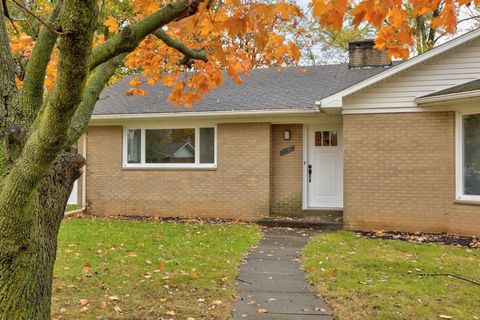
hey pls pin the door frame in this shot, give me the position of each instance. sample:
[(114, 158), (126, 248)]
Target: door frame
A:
[(305, 168)]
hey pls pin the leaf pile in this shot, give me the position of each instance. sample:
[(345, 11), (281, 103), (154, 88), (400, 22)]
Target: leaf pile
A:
[(418, 237)]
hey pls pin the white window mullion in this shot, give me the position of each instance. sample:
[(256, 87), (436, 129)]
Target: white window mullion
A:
[(197, 145), (142, 147), (215, 145), (125, 147)]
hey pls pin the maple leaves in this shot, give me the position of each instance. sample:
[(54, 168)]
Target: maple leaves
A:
[(112, 24), (391, 18), (235, 36)]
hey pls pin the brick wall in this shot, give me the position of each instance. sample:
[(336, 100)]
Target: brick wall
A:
[(238, 188), (286, 171), (400, 174)]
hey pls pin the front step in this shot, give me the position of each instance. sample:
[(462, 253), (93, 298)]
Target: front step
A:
[(299, 224)]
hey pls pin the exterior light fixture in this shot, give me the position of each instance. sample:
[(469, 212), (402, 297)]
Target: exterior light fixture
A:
[(287, 135)]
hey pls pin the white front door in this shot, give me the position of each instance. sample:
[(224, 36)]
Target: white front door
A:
[(324, 172)]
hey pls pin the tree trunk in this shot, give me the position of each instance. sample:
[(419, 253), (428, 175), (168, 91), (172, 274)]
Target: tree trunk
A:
[(26, 267)]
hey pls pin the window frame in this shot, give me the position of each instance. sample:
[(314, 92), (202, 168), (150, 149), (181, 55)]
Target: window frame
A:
[(459, 159), (144, 165)]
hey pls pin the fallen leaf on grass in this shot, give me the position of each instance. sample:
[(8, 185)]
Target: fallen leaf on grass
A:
[(170, 313), (86, 267), (117, 308), (262, 310), (83, 302), (113, 298), (103, 304), (132, 254), (217, 302), (442, 316)]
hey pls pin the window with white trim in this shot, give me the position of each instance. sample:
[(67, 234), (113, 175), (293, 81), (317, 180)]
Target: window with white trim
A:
[(170, 147), (468, 156)]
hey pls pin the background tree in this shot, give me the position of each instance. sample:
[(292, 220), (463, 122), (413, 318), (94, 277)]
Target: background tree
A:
[(402, 26), (330, 45)]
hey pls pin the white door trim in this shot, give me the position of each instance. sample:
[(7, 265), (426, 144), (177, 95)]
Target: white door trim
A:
[(305, 172)]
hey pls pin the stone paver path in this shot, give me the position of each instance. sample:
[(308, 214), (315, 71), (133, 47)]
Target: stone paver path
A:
[(271, 284)]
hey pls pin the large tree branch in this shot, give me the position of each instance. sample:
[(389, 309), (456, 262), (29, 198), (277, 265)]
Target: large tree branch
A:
[(7, 69), (180, 47), (78, 18), (129, 38), (33, 82), (97, 81)]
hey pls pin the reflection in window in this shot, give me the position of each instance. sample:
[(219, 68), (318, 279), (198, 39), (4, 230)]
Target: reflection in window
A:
[(333, 138), (207, 145), (185, 147), (133, 145), (318, 138), (326, 138), (471, 154), (170, 146)]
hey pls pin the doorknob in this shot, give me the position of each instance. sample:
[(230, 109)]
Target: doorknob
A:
[(309, 173)]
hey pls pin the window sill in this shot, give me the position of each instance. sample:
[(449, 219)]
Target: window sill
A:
[(467, 202), (170, 168)]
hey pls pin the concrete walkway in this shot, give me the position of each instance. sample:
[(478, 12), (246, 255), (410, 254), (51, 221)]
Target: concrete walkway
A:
[(271, 284)]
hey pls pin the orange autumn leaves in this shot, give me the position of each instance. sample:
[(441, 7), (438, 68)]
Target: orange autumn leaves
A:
[(236, 37), (390, 18)]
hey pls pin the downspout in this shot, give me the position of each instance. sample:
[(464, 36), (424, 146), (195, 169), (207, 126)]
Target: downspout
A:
[(84, 182)]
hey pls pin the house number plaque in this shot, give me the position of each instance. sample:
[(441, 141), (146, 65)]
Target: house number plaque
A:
[(287, 150)]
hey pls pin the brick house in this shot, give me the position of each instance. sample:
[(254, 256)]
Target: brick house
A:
[(392, 146)]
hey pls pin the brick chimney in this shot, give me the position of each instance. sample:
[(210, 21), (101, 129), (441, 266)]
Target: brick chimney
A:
[(362, 54)]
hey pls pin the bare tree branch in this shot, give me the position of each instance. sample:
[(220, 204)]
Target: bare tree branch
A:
[(180, 47), (24, 8)]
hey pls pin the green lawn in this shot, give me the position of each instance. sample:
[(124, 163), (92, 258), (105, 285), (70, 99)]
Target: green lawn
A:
[(378, 279), (71, 207), (113, 269)]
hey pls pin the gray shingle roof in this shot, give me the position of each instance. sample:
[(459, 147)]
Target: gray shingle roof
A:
[(265, 89), (464, 87)]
